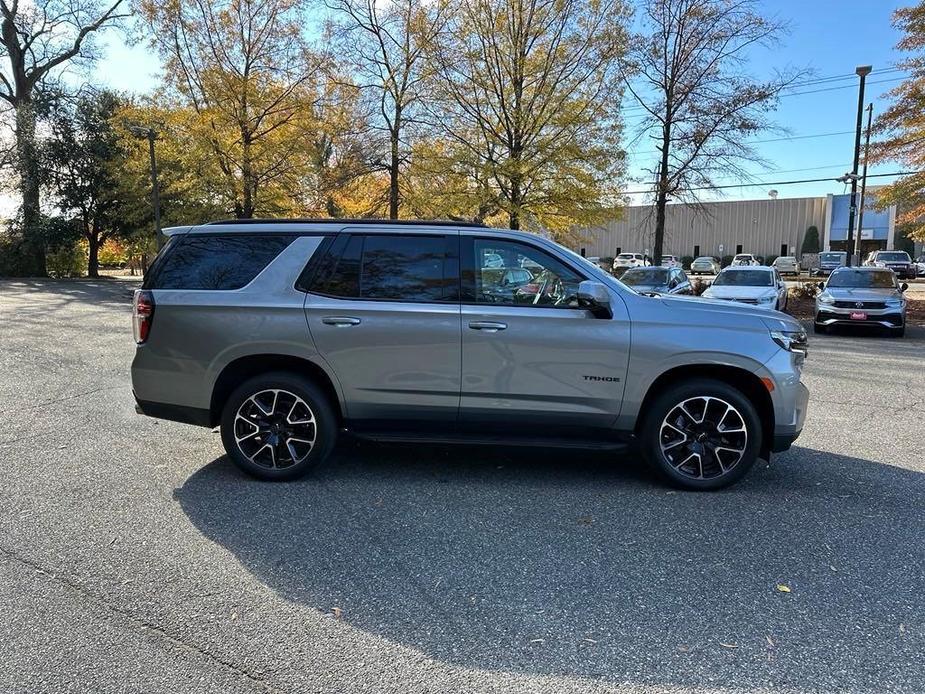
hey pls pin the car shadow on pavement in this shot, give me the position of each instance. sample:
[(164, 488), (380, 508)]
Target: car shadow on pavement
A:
[(807, 575)]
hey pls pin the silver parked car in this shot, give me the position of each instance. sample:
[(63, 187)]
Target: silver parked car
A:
[(758, 285), (861, 296), (786, 265), (706, 265), (658, 280), (288, 334)]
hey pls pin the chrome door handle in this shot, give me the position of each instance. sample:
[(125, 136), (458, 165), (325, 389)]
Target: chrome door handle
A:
[(488, 326), (340, 321)]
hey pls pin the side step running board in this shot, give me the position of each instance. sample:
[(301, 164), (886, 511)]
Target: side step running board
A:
[(483, 440)]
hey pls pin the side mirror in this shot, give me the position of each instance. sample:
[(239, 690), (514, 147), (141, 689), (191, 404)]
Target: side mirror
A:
[(903, 287), (594, 297), (821, 285)]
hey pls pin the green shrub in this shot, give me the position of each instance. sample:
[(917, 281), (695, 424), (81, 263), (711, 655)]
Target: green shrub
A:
[(811, 241), (67, 260), (686, 261), (727, 260), (770, 260)]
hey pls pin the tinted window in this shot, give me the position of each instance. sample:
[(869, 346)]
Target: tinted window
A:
[(863, 278), (744, 278), (549, 282), (403, 268), (379, 266), (217, 262)]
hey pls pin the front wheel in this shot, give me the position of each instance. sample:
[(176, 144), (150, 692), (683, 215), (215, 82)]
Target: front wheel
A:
[(278, 426), (701, 434)]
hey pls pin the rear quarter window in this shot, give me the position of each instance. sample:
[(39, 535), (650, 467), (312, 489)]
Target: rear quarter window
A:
[(199, 261)]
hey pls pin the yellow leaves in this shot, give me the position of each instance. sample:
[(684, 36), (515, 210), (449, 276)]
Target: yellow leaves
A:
[(783, 588)]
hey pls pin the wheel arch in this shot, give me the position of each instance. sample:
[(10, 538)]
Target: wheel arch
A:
[(243, 368), (741, 379)]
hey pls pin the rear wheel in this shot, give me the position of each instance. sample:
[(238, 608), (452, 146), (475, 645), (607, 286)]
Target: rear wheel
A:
[(278, 426), (701, 434)]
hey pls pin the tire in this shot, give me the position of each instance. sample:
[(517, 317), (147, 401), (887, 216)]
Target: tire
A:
[(708, 399), (820, 329), (281, 403), (898, 332)]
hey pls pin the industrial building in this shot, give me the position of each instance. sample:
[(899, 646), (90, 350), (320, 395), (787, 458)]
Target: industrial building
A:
[(768, 228)]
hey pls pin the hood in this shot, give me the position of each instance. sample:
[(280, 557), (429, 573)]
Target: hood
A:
[(733, 292), (701, 311), (861, 294)]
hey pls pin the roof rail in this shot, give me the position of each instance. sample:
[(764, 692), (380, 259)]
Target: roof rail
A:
[(354, 221)]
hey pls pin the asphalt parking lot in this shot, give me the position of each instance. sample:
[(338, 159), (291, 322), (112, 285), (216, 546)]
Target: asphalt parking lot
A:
[(134, 558)]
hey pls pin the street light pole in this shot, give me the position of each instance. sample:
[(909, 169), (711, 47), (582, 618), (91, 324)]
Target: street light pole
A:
[(870, 115), (861, 71)]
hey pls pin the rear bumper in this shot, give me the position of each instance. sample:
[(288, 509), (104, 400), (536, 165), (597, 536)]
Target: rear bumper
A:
[(175, 413)]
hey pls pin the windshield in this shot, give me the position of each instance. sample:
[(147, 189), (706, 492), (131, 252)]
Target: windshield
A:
[(744, 278), (643, 276), (786, 259), (625, 256), (831, 256), (743, 257), (704, 259), (901, 257), (863, 278)]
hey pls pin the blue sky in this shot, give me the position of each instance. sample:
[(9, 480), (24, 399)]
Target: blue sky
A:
[(830, 37)]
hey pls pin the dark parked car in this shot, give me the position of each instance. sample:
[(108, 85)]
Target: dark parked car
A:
[(659, 280)]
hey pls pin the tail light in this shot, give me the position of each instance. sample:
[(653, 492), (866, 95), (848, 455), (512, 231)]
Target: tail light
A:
[(142, 314)]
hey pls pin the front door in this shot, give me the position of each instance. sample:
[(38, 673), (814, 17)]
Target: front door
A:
[(531, 359), (383, 310)]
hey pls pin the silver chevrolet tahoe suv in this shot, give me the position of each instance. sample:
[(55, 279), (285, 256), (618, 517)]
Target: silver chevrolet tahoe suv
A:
[(286, 333)]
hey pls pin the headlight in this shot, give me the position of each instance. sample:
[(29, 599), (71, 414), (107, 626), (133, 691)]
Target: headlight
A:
[(767, 299), (894, 303), (825, 299), (791, 341)]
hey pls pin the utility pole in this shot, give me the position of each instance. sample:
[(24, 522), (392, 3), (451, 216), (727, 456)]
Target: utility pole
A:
[(861, 71), (870, 115), (156, 191), (150, 134)]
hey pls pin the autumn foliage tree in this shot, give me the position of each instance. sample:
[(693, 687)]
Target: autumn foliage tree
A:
[(384, 45), (901, 128), (247, 75), (525, 93)]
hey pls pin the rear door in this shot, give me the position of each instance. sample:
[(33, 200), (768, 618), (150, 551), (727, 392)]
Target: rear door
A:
[(383, 310), (531, 359)]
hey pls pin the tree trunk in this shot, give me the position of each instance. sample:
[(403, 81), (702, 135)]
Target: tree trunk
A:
[(393, 166), (516, 194), (33, 237), (661, 197), (93, 256), (246, 209)]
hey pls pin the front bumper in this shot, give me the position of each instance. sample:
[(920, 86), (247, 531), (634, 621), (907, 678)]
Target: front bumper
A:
[(786, 432), (886, 318)]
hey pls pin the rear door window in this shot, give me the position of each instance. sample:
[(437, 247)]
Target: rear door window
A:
[(218, 262), (388, 267)]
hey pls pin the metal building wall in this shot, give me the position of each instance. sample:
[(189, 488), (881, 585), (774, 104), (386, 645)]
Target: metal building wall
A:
[(760, 226)]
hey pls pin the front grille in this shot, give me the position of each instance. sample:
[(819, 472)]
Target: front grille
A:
[(860, 304), (746, 301)]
